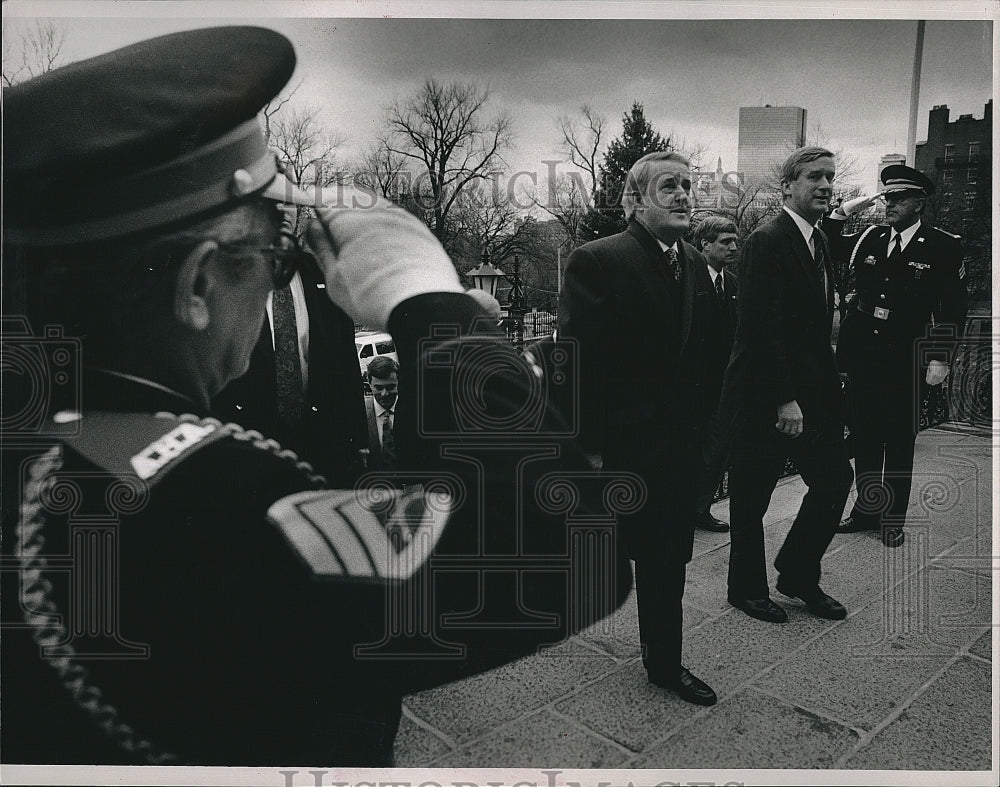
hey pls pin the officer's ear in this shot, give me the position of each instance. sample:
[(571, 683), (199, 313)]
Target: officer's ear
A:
[(195, 282)]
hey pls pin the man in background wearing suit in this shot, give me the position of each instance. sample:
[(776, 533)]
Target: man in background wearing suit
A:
[(383, 377), (908, 276), (304, 387), (715, 237), (636, 303), (782, 396)]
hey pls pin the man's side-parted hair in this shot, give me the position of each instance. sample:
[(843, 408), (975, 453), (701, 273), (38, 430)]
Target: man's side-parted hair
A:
[(640, 174), (711, 227), (793, 165), (381, 367)]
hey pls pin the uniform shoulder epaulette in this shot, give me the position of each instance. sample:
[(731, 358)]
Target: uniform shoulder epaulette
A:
[(138, 444)]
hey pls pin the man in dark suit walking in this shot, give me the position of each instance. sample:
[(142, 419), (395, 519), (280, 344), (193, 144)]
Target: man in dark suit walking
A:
[(782, 396), (908, 276), (715, 237), (383, 378), (637, 305)]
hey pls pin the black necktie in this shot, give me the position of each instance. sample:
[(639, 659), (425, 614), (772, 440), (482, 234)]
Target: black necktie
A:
[(388, 441), (287, 365), (674, 263), (897, 249), (718, 288)]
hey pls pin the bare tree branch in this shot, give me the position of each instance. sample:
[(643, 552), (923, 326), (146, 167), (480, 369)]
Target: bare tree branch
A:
[(33, 52)]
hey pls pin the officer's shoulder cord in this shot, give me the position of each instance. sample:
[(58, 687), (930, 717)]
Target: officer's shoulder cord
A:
[(857, 245), (43, 615)]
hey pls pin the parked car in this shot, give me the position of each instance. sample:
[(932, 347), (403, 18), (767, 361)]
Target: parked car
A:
[(373, 343)]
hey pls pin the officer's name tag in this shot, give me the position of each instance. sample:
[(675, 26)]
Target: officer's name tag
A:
[(366, 534), (919, 268)]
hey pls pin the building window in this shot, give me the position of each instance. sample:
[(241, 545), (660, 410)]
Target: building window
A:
[(973, 151), (972, 176), (949, 152), (947, 176), (970, 200)]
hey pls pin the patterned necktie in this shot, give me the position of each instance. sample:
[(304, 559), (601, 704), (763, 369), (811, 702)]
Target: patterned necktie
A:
[(897, 249), (819, 257), (388, 441), (674, 263), (718, 288), (287, 365)]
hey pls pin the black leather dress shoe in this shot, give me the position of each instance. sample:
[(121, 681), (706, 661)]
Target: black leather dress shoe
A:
[(856, 525), (686, 686), (761, 608), (708, 522), (893, 537), (816, 600)]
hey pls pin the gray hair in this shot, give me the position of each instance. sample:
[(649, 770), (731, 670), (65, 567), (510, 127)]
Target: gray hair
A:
[(639, 176)]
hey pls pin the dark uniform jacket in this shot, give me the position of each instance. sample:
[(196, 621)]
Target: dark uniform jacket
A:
[(782, 349), (895, 304), (641, 344), (230, 636), (332, 430)]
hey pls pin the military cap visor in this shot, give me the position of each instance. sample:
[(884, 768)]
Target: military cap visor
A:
[(145, 136), (898, 177)]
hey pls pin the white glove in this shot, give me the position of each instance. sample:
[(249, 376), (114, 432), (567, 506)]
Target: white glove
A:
[(374, 258), (856, 205), (936, 372)]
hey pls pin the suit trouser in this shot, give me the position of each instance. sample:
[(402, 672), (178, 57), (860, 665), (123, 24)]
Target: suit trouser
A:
[(757, 459), (659, 588), (708, 483), (884, 427)]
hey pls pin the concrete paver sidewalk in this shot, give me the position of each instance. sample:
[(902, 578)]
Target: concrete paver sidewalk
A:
[(904, 683)]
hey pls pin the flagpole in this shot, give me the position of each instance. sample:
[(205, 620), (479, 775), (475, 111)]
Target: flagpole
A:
[(911, 139)]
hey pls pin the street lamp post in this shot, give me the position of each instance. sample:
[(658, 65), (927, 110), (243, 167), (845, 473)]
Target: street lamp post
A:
[(485, 277), (515, 305)]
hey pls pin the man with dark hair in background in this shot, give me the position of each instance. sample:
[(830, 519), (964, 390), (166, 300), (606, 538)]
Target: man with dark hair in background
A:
[(782, 397), (628, 298), (715, 237), (383, 378)]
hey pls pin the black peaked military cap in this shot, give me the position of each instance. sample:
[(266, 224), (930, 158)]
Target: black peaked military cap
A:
[(153, 133), (899, 177)]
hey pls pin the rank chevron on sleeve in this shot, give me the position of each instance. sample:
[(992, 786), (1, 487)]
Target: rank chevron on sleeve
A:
[(352, 534)]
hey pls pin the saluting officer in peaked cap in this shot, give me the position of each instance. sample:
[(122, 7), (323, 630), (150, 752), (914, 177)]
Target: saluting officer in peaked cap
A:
[(235, 610), (908, 278)]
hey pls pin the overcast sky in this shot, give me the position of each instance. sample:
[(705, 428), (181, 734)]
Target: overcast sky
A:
[(851, 75)]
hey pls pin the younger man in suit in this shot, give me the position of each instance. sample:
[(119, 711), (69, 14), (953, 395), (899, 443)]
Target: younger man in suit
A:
[(383, 377), (782, 396), (715, 237)]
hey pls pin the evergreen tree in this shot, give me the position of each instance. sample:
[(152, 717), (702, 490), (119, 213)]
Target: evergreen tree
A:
[(637, 139)]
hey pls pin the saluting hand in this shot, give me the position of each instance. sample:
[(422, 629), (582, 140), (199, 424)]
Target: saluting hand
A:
[(789, 419)]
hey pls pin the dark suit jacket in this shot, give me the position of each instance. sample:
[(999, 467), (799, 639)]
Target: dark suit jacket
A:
[(375, 461), (641, 391), (332, 430), (782, 348), (719, 338)]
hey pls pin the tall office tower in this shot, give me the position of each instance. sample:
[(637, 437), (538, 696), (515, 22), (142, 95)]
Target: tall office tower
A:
[(767, 135)]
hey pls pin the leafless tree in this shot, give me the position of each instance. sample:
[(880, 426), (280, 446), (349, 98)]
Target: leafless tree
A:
[(383, 171), (31, 52), (443, 130), (582, 142)]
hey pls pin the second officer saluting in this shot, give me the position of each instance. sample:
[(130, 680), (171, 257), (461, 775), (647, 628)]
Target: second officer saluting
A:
[(908, 277)]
